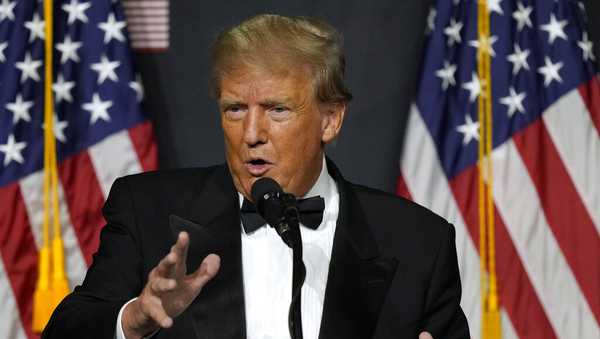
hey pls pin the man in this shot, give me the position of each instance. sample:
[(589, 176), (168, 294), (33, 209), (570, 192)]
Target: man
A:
[(378, 266)]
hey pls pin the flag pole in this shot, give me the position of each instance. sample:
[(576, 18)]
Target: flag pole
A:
[(491, 322), (52, 283)]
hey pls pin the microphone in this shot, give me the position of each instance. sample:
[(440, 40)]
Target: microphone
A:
[(279, 209)]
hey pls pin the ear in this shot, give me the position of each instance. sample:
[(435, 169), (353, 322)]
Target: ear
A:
[(332, 117)]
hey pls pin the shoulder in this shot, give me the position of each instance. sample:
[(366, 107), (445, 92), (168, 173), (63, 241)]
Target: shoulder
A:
[(169, 180), (173, 175), (375, 201), (164, 188), (395, 220)]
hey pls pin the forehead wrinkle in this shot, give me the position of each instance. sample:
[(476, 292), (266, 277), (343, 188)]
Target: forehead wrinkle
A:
[(245, 88), (252, 85)]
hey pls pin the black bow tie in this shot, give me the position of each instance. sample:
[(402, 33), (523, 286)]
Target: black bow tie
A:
[(311, 214)]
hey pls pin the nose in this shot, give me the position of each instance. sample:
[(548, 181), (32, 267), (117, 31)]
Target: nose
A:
[(255, 127)]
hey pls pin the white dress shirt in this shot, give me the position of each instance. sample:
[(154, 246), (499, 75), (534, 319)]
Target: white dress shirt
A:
[(267, 269), (267, 272)]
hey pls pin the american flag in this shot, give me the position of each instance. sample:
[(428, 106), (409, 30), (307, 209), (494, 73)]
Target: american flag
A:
[(100, 129), (546, 159), (148, 24)]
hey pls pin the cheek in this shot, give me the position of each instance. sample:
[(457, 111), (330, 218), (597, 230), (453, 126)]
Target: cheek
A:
[(292, 140), (232, 154), (231, 133), (297, 146)]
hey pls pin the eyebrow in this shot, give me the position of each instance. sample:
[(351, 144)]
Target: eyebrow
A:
[(274, 102), (226, 102), (264, 103)]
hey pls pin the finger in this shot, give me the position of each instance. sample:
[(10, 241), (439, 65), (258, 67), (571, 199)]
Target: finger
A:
[(207, 270), (166, 265), (180, 248), (425, 335), (176, 254), (161, 284), (181, 245), (158, 314)]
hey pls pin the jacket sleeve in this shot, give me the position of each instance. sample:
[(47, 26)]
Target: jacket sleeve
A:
[(444, 317), (114, 277)]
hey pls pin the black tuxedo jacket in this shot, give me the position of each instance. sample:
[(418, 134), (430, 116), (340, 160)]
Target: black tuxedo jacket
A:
[(393, 269)]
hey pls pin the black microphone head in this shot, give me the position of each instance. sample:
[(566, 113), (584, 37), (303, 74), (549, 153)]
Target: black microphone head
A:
[(263, 187), (265, 194)]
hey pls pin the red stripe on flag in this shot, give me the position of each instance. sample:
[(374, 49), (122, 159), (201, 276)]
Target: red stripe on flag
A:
[(150, 46), (516, 293), (84, 198), (149, 29), (19, 252), (142, 137), (567, 216), (150, 41), (590, 92), (149, 50), (402, 188), (135, 17)]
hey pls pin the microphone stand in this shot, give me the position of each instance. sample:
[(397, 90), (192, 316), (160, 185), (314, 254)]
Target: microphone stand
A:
[(289, 231)]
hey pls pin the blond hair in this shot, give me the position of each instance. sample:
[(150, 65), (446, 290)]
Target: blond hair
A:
[(278, 44)]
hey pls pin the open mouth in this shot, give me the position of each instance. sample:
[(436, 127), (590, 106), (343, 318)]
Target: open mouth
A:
[(258, 166), (257, 162)]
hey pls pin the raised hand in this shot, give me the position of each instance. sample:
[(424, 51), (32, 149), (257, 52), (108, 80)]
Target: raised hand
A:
[(168, 292)]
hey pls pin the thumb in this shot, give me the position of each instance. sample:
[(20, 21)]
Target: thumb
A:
[(425, 335), (207, 270)]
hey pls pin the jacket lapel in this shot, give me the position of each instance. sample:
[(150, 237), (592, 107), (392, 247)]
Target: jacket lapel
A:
[(213, 223), (359, 277)]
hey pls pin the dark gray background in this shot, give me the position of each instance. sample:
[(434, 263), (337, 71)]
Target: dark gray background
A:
[(383, 44)]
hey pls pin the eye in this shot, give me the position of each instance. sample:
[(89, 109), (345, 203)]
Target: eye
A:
[(279, 112), (234, 112)]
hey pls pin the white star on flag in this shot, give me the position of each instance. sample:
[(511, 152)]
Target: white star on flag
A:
[(470, 130), (447, 74), (494, 6), (29, 68), (7, 9), (514, 102), (550, 71), (98, 109), (587, 47), (35, 27), (555, 29), (68, 50), (453, 32), (474, 87), (59, 129), (62, 89), (485, 43), (20, 109), (522, 16), (2, 48), (76, 11), (519, 59), (106, 69), (112, 29), (12, 150), (137, 87)]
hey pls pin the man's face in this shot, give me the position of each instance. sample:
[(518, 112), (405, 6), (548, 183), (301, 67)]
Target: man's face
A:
[(275, 127)]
